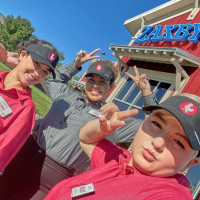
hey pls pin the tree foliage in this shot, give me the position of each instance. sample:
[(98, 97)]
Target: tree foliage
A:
[(61, 58), (16, 30), (13, 31)]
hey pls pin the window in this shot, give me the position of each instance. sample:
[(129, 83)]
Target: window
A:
[(128, 96)]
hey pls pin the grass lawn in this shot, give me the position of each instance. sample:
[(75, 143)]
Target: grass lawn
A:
[(41, 100)]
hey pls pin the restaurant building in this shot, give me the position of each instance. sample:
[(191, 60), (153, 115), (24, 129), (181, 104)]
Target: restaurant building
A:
[(165, 46)]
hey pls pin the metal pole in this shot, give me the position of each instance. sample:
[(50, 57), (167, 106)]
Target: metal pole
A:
[(196, 190)]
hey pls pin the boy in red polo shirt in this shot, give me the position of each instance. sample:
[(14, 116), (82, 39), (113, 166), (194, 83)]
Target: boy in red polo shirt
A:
[(167, 143)]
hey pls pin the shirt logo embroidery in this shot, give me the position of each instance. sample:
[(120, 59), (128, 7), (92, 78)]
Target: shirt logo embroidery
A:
[(188, 108), (99, 67), (52, 57)]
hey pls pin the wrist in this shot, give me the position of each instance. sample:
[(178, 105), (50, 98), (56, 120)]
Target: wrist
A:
[(76, 65), (146, 92)]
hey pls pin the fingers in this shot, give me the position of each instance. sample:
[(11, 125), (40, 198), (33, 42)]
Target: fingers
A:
[(109, 127), (143, 78), (109, 107), (136, 71), (93, 52), (128, 113), (81, 53), (103, 124), (131, 76)]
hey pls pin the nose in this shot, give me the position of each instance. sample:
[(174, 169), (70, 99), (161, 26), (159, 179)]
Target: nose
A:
[(96, 84), (158, 144)]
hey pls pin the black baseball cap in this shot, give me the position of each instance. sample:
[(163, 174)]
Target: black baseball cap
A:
[(44, 55), (187, 112), (102, 70)]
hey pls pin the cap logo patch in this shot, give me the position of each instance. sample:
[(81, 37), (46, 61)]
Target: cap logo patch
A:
[(99, 67), (188, 108), (52, 57)]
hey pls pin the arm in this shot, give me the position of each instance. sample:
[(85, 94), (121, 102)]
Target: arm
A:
[(10, 58), (13, 138), (144, 86), (65, 73), (127, 133), (95, 130)]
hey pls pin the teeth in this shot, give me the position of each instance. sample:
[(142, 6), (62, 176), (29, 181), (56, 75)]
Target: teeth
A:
[(31, 77)]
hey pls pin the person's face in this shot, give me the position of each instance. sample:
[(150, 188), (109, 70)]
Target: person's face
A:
[(160, 147), (30, 72), (96, 88)]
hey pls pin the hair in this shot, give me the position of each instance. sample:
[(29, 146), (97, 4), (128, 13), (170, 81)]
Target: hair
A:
[(164, 114), (22, 46), (109, 64)]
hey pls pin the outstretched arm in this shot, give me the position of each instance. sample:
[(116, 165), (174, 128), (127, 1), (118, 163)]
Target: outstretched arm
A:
[(95, 130), (10, 58), (143, 84)]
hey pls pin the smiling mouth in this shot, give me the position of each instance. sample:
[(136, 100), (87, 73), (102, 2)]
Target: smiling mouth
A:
[(95, 92), (31, 77)]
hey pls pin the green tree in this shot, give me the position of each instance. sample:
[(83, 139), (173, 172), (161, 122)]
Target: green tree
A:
[(77, 78), (13, 31), (61, 58)]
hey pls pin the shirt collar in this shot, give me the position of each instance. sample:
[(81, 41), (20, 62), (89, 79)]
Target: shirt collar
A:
[(97, 104), (22, 94)]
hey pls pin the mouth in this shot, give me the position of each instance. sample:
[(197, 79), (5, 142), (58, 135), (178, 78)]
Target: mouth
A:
[(31, 77), (95, 92), (149, 155)]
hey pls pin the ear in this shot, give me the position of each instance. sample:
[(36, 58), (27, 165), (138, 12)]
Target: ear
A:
[(22, 54), (111, 86), (193, 162)]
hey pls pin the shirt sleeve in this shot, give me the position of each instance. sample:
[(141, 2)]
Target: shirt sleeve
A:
[(126, 133), (15, 136), (59, 85), (106, 151), (149, 100)]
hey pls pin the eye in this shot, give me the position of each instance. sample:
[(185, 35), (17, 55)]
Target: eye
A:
[(157, 124), (90, 80), (37, 63), (46, 72), (179, 143), (102, 82)]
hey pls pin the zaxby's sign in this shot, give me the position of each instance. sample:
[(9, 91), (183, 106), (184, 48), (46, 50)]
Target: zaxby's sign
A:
[(176, 32)]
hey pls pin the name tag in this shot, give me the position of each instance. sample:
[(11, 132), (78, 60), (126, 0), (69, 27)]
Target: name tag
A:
[(96, 113), (84, 189), (4, 108)]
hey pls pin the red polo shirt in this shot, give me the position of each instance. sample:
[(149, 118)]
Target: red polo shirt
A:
[(16, 126), (114, 179)]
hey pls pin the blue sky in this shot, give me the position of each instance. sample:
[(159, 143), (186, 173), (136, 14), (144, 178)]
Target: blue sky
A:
[(73, 25)]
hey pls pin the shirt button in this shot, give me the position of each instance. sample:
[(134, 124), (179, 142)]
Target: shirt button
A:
[(39, 151), (129, 170)]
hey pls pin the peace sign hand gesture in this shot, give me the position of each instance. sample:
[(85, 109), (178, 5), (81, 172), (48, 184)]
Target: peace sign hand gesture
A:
[(141, 81), (83, 56), (111, 123)]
